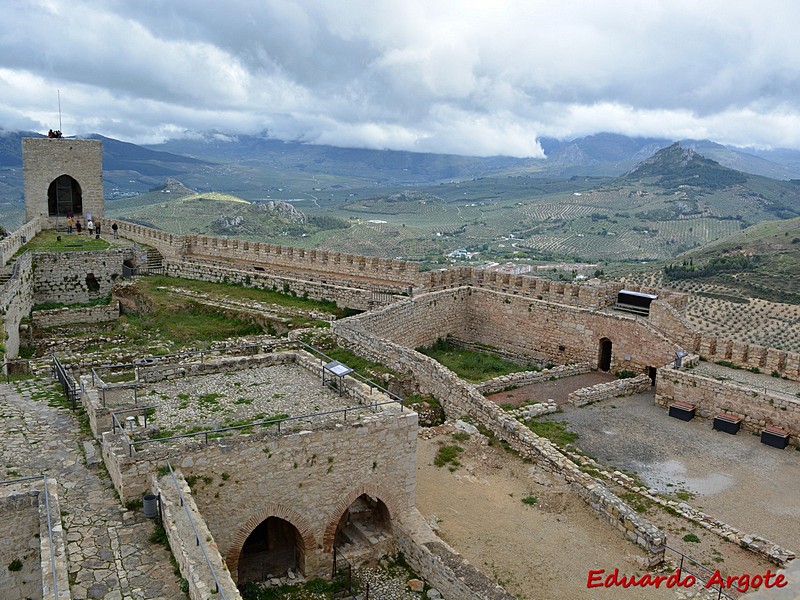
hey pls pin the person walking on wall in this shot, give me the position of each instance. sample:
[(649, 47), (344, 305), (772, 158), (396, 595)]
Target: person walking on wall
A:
[(78, 227), (69, 224), (115, 229), (97, 226), (90, 227)]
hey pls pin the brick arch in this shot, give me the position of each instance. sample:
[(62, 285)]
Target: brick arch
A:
[(388, 499), (270, 510)]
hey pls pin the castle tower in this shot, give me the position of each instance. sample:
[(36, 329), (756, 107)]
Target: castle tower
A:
[(62, 176)]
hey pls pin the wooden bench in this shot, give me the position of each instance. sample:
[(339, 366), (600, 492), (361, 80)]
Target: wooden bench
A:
[(682, 410), (777, 438), (727, 423)]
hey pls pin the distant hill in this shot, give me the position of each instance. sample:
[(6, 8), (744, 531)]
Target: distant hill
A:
[(675, 167), (761, 261)]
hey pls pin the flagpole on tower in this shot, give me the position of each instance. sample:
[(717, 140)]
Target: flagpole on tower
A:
[(59, 110)]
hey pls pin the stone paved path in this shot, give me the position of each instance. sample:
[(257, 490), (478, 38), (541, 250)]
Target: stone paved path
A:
[(110, 555)]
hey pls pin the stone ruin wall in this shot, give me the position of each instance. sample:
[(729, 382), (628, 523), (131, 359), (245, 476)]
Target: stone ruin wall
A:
[(58, 317), (181, 519), (756, 407), (562, 334), (317, 264), (314, 265), (61, 276), (18, 238), (25, 536), (525, 327), (587, 296), (716, 348), (16, 302), (360, 299), (308, 478), (460, 399)]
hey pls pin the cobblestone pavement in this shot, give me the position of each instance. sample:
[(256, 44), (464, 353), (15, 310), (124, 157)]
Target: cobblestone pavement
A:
[(109, 552)]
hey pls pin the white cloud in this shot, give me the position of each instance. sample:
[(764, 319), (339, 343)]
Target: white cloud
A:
[(464, 76)]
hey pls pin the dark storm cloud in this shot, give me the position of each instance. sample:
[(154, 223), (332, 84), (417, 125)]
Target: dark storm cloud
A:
[(474, 77)]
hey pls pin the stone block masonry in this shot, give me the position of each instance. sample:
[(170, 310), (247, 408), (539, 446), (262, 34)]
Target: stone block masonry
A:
[(76, 277), (513, 380), (44, 160), (198, 557), (611, 389), (462, 399), (532, 328), (14, 241), (309, 478), (31, 533), (42, 319), (757, 408), (16, 301)]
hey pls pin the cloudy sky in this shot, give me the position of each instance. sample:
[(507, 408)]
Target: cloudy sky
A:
[(477, 77)]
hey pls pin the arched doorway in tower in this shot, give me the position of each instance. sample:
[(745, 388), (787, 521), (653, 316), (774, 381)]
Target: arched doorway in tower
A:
[(604, 356), (64, 196), (274, 547), (365, 524)]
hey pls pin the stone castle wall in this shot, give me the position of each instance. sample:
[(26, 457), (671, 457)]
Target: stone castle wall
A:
[(360, 299), (193, 551), (459, 399), (308, 478), (556, 332), (63, 277), (756, 407), (18, 238), (46, 159), (716, 348), (350, 281), (42, 319), (16, 301)]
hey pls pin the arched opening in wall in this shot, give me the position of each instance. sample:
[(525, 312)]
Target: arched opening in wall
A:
[(652, 372), (604, 356), (274, 547), (365, 523), (64, 197), (91, 283)]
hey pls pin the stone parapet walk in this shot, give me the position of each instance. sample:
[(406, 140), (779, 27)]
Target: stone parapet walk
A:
[(109, 553)]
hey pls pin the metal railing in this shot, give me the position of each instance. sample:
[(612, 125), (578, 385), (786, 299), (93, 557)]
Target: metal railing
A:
[(11, 363), (209, 434), (213, 433), (218, 589), (702, 574), (68, 384), (46, 494)]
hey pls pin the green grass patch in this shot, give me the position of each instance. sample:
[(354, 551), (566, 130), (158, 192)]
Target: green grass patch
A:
[(638, 503), (471, 365), (240, 292), (448, 455), (555, 431), (530, 500), (47, 241), (104, 301), (690, 537)]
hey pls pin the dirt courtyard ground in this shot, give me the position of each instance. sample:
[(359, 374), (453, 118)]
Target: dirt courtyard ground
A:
[(545, 550), (538, 552), (736, 478)]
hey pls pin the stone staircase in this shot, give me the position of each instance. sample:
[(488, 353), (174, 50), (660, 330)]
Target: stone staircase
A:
[(155, 262)]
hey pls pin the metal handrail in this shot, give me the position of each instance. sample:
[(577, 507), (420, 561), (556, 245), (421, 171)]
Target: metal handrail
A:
[(67, 383), (708, 571), (207, 432), (49, 524), (196, 534)]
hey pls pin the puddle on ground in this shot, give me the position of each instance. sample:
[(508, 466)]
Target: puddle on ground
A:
[(673, 472)]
